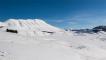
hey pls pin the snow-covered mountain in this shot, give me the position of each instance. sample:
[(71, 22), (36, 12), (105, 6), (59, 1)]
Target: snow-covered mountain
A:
[(30, 26)]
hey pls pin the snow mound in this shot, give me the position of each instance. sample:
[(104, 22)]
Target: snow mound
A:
[(31, 26)]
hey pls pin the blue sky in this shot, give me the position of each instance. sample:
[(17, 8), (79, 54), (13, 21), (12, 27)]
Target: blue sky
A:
[(74, 14)]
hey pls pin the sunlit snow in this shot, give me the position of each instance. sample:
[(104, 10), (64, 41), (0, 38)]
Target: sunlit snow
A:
[(30, 43)]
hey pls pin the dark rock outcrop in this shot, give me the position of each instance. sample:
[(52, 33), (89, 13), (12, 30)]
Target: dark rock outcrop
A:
[(12, 31), (99, 28)]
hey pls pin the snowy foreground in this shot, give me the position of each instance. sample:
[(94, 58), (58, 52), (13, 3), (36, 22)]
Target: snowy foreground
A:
[(58, 46)]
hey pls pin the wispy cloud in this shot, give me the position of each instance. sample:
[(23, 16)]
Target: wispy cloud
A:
[(85, 21)]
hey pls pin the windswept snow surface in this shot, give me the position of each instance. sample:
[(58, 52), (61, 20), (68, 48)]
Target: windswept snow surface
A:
[(58, 46)]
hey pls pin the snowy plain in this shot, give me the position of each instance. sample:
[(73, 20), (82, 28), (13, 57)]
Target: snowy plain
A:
[(61, 45)]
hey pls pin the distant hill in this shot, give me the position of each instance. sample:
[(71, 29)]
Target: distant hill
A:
[(93, 30), (99, 28)]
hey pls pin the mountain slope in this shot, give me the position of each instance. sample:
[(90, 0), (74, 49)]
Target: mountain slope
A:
[(16, 47), (57, 47)]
